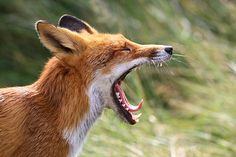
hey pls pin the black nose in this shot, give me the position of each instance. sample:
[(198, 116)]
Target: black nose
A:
[(169, 50)]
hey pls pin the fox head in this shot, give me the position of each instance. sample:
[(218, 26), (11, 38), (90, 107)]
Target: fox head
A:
[(102, 60)]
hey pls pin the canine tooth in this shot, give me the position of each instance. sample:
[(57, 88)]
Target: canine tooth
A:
[(120, 100), (137, 120), (138, 115), (161, 64), (123, 105), (127, 108), (135, 117)]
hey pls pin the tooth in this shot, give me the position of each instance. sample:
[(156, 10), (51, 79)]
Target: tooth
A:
[(120, 100), (161, 64), (123, 105), (127, 108), (138, 115), (137, 120), (135, 117), (118, 94)]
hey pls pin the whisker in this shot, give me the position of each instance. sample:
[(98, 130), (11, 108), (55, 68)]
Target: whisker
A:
[(179, 61), (154, 64), (164, 62), (167, 69), (178, 54)]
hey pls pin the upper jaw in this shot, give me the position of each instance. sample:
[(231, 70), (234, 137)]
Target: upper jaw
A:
[(161, 56)]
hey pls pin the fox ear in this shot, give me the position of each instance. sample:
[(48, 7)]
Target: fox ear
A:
[(74, 24), (55, 39)]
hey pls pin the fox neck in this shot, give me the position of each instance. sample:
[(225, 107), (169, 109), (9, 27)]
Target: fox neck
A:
[(77, 102)]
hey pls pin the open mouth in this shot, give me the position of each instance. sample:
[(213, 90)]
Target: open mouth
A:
[(127, 111)]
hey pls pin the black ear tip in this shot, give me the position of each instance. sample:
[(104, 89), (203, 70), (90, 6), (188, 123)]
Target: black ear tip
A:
[(72, 23), (66, 19)]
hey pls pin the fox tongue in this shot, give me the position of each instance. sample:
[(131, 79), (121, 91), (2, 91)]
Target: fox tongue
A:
[(124, 100)]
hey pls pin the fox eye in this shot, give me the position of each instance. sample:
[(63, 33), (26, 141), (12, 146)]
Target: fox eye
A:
[(126, 49)]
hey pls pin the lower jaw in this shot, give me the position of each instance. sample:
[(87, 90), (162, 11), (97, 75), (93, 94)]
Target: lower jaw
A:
[(125, 115)]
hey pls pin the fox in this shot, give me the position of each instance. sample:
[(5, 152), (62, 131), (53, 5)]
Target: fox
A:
[(52, 116)]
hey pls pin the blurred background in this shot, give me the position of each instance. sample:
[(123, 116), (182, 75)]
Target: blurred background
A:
[(190, 102)]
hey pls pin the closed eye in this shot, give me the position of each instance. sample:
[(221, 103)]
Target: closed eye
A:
[(126, 49)]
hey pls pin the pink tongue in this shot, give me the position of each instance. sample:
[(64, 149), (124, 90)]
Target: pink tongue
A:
[(125, 101)]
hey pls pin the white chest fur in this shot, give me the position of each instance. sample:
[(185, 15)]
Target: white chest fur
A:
[(77, 136)]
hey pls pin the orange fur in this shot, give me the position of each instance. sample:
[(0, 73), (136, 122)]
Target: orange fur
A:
[(33, 117)]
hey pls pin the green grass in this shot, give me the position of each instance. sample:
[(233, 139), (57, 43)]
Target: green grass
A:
[(189, 106)]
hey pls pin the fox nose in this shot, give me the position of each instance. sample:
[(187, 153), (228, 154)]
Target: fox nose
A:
[(169, 50)]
